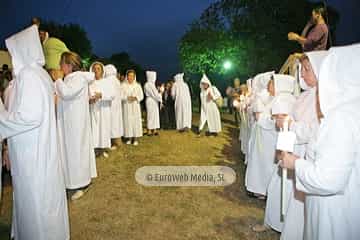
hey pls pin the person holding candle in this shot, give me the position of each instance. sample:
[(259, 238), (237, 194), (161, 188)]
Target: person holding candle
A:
[(132, 96), (102, 94), (305, 125), (331, 177), (261, 162), (282, 105)]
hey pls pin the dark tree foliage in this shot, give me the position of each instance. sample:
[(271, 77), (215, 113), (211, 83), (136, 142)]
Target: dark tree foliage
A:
[(252, 34)]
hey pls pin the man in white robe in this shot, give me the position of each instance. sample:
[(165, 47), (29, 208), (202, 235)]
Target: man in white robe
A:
[(209, 110), (133, 95), (74, 129), (153, 100), (102, 94), (40, 206), (117, 128), (331, 180), (181, 94)]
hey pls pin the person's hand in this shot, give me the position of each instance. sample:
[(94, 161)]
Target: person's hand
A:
[(56, 74), (287, 160), (98, 95), (279, 121), (92, 100), (209, 97), (161, 106), (6, 160), (293, 36), (132, 99), (257, 116)]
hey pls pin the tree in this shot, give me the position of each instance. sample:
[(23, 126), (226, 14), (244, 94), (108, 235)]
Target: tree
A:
[(252, 34)]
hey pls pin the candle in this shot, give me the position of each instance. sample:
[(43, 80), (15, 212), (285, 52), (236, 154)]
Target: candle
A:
[(284, 174)]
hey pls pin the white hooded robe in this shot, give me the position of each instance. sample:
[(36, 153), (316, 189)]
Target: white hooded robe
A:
[(209, 110), (153, 99), (74, 129), (331, 180), (40, 207), (117, 126), (101, 110), (132, 110), (181, 94)]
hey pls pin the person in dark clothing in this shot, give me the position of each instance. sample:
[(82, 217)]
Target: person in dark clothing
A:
[(315, 34), (167, 111)]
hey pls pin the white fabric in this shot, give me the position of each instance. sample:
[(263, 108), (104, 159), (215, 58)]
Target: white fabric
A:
[(101, 110), (153, 99), (283, 104), (209, 110), (117, 126), (331, 180), (284, 84), (74, 129), (40, 206), (132, 110), (7, 94), (181, 94)]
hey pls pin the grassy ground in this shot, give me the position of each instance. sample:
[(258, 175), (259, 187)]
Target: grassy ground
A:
[(116, 207)]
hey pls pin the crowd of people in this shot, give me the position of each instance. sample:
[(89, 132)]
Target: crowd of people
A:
[(55, 121)]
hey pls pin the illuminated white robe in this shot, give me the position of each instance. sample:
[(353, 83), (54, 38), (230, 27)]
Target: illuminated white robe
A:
[(153, 99)]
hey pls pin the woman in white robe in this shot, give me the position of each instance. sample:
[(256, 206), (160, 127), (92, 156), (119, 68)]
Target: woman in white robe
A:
[(101, 96), (153, 100), (305, 125), (117, 126), (133, 95), (331, 179), (74, 127), (181, 94), (40, 207), (261, 162), (209, 110)]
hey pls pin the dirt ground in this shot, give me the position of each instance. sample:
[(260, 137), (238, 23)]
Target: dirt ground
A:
[(116, 207)]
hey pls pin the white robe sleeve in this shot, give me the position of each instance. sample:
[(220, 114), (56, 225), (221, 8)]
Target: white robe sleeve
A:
[(304, 131), (215, 93), (139, 93), (69, 90), (23, 117), (335, 158), (266, 122), (152, 92)]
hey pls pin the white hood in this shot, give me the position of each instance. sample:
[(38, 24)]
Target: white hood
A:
[(179, 77), (339, 78), (316, 58), (25, 49), (284, 84), (110, 70), (265, 79), (283, 104), (151, 76), (206, 80), (92, 65)]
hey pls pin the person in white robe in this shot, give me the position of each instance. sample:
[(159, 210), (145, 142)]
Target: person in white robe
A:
[(101, 96), (331, 179), (40, 207), (181, 94), (153, 101), (304, 124), (133, 95), (73, 124), (261, 162), (117, 126), (209, 110), (282, 105)]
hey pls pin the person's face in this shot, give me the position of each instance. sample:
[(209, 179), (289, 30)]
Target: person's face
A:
[(98, 70), (315, 17), (131, 77), (42, 35), (205, 85), (66, 68), (236, 83), (308, 74), (271, 88)]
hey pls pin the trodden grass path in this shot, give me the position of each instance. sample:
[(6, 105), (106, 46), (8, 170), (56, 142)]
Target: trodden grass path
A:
[(116, 207)]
